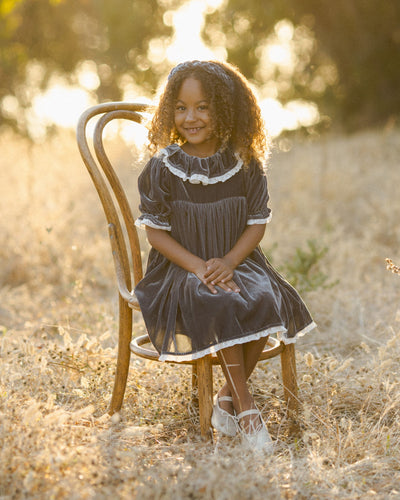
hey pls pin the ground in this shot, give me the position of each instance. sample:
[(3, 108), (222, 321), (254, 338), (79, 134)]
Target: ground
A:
[(58, 334)]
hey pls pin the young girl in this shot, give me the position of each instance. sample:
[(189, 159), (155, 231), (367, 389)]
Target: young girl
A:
[(208, 287)]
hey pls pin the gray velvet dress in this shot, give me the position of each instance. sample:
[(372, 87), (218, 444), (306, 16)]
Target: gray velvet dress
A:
[(206, 204)]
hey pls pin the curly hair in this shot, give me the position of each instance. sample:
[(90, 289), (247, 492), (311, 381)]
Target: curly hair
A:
[(234, 110)]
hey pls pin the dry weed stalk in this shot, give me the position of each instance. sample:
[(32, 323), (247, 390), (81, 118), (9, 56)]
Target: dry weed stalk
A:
[(390, 266)]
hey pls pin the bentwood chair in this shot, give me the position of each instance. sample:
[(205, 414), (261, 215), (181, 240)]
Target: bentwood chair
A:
[(128, 269)]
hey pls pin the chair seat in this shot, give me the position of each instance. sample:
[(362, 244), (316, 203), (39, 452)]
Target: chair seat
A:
[(142, 346)]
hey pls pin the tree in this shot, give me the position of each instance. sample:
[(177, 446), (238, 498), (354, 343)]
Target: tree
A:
[(40, 38), (346, 52)]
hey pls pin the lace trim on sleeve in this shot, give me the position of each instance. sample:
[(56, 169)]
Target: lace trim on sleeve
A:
[(144, 221), (253, 221)]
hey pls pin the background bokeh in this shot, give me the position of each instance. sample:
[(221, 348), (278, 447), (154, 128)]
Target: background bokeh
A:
[(341, 56)]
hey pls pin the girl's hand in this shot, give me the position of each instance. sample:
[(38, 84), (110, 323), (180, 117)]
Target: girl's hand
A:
[(220, 273), (218, 270), (228, 286), (200, 271)]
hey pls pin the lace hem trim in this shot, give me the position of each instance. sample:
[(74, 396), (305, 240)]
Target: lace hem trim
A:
[(292, 340), (143, 222), (251, 222), (281, 332), (200, 178)]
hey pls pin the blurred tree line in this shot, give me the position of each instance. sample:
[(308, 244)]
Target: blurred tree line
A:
[(347, 52), (41, 39), (343, 55)]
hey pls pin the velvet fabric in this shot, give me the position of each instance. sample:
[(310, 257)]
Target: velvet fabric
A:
[(206, 204)]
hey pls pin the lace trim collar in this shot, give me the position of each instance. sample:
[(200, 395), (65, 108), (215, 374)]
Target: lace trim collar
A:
[(219, 167)]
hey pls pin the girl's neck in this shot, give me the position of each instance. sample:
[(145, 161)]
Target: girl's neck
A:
[(201, 151)]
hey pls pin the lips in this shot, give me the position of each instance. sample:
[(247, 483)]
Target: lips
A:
[(193, 130)]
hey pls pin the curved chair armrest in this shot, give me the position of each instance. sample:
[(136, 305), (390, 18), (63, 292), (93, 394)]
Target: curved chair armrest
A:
[(128, 296)]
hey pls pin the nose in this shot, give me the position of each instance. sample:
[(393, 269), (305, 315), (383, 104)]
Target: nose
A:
[(191, 115)]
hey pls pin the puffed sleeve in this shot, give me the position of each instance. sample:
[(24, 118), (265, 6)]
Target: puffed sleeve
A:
[(257, 195), (154, 196)]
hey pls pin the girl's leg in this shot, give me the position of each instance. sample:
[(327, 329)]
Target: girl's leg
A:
[(233, 366), (251, 352)]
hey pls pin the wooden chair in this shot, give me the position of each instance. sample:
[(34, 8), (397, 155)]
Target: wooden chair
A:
[(128, 268)]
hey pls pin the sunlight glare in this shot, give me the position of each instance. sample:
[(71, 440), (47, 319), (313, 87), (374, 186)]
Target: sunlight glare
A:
[(60, 105), (188, 22), (284, 30), (279, 54), (87, 75), (293, 115), (306, 112), (213, 5)]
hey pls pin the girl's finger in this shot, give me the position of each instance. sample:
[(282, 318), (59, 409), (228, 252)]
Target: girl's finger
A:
[(224, 287), (218, 276), (228, 277), (233, 286), (212, 276), (210, 270), (227, 288), (210, 287)]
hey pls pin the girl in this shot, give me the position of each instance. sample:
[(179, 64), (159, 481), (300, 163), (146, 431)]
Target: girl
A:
[(208, 287)]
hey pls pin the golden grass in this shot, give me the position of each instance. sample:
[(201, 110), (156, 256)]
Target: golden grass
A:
[(58, 337)]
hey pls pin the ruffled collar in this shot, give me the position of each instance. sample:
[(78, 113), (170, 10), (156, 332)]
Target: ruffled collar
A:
[(219, 167)]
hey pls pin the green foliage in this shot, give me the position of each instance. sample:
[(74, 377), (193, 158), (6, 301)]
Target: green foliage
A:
[(304, 270)]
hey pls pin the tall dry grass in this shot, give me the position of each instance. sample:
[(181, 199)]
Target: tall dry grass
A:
[(58, 337)]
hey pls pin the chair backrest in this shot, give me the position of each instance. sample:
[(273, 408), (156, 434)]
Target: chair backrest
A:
[(126, 250)]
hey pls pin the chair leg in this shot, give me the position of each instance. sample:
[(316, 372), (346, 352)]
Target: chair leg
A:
[(124, 356), (205, 391), (289, 376), (195, 386)]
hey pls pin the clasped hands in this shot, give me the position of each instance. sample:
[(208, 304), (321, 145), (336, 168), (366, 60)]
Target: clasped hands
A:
[(217, 272)]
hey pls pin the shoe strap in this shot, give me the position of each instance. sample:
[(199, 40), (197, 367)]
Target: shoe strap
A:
[(253, 411), (225, 398)]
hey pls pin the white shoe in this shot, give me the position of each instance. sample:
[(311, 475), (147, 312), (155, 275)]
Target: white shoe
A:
[(257, 438), (221, 420)]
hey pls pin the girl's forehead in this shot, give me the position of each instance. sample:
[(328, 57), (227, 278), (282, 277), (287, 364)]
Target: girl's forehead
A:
[(191, 88)]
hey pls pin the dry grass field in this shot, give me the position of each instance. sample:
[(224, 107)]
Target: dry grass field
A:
[(58, 336)]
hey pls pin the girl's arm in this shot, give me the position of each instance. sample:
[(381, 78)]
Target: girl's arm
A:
[(220, 270), (176, 253)]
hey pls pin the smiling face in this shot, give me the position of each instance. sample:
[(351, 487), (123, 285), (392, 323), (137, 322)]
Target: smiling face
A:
[(193, 119)]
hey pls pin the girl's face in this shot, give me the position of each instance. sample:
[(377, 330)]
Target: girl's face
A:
[(193, 121)]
